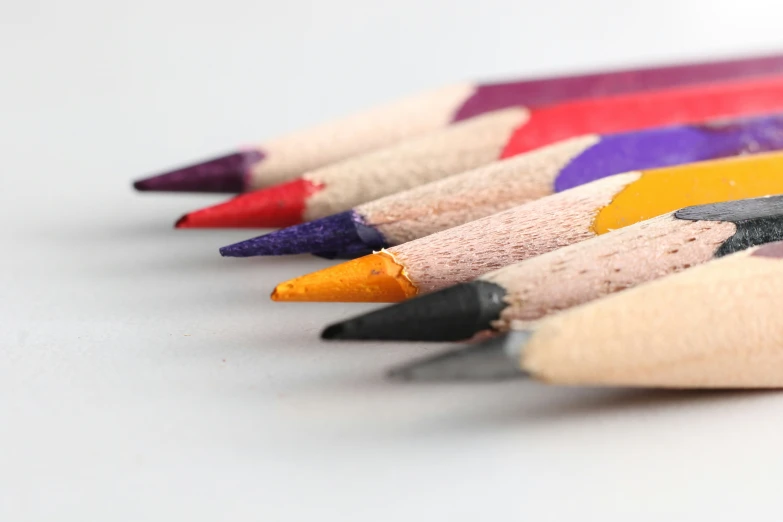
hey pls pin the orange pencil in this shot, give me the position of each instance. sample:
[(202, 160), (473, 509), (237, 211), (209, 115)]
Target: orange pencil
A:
[(463, 253)]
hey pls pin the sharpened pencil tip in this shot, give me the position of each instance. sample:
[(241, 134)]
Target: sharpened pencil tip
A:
[(277, 206), (337, 235), (234, 250), (237, 250), (228, 174), (454, 314), (493, 360)]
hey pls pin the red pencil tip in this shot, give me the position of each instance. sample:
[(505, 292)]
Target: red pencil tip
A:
[(279, 206)]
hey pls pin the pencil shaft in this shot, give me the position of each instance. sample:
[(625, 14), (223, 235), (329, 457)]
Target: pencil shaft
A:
[(462, 253), (465, 252), (604, 265), (504, 184), (423, 161), (390, 123), (474, 143), (415, 162), (514, 181), (573, 275), (286, 157), (712, 326)]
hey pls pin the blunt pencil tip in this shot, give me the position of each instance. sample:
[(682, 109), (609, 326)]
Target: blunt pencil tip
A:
[(376, 278), (228, 251), (334, 331)]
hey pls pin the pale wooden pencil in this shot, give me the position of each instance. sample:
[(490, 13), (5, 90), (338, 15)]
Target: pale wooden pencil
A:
[(714, 326)]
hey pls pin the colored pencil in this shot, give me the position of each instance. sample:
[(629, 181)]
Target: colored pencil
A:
[(484, 191), (465, 252), (430, 157), (570, 276), (290, 156), (714, 326), (339, 187)]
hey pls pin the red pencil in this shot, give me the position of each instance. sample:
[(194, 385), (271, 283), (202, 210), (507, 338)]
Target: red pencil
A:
[(344, 185)]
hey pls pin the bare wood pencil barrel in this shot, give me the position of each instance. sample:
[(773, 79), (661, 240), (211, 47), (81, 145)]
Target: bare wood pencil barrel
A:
[(714, 326), (343, 185), (459, 199), (464, 253), (286, 157), (579, 273)]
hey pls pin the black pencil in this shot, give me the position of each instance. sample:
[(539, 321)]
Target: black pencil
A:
[(714, 326)]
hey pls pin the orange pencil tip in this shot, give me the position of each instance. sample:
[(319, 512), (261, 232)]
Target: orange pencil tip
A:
[(376, 278)]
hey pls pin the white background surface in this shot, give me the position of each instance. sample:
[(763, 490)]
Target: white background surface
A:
[(142, 377)]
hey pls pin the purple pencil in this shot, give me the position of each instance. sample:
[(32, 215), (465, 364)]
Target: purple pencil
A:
[(288, 157), (453, 201)]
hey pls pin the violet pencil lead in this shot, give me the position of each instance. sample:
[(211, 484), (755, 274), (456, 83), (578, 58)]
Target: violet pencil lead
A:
[(228, 174), (329, 236)]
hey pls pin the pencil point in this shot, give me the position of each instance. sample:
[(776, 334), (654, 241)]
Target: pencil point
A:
[(370, 279), (332, 332), (224, 174), (277, 206), (330, 236), (454, 314), (493, 360), (182, 222)]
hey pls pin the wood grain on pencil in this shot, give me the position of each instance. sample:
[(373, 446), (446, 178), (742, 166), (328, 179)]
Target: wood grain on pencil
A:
[(713, 326), (342, 186), (466, 145), (576, 274), (289, 156), (465, 197), (463, 253), (717, 325)]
